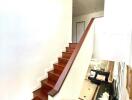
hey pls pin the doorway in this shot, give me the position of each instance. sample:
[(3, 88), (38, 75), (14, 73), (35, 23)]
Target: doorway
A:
[(80, 28)]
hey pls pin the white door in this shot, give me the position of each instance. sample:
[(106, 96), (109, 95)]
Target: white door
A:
[(80, 27)]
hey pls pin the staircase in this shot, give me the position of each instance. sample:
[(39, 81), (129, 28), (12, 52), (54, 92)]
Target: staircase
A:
[(53, 75)]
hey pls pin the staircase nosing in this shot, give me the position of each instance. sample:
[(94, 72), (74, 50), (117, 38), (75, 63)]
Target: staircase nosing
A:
[(68, 52), (60, 65), (38, 94), (52, 72), (63, 58), (47, 82)]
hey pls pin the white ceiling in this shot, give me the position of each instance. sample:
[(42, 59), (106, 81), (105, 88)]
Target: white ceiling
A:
[(81, 7)]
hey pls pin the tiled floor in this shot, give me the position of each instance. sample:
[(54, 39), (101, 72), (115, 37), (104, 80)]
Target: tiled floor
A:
[(87, 91)]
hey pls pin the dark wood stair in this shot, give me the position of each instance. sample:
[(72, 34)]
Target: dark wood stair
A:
[(53, 75), (66, 54), (58, 68), (40, 95), (68, 49)]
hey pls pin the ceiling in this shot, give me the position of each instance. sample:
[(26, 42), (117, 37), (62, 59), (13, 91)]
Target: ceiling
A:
[(81, 7)]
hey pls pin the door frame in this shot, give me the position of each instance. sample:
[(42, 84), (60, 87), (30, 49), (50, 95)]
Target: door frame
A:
[(76, 28)]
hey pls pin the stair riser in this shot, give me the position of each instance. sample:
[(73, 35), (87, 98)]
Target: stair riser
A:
[(52, 77), (66, 55), (72, 45), (62, 61), (58, 70), (46, 88), (69, 49), (60, 67)]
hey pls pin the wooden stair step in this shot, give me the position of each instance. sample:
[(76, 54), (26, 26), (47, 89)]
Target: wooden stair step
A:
[(66, 54), (72, 45), (62, 60), (58, 68), (39, 95), (52, 76), (47, 85), (68, 49), (60, 65)]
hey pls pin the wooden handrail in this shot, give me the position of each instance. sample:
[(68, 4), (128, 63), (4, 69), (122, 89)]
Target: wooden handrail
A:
[(66, 70)]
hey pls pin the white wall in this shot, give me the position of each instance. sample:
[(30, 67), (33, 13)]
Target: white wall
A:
[(131, 52), (72, 85), (110, 46), (32, 36), (85, 18), (113, 37)]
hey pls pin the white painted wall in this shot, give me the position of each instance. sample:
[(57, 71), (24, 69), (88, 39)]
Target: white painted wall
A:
[(85, 18), (110, 46), (32, 36), (72, 85), (131, 52), (113, 37)]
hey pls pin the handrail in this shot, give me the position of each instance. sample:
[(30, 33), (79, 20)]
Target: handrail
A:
[(66, 70)]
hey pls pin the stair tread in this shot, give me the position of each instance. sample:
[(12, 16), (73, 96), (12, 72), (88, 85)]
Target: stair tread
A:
[(72, 45), (68, 52), (63, 58), (58, 68), (39, 94), (59, 71), (52, 72), (58, 64), (69, 49), (49, 83)]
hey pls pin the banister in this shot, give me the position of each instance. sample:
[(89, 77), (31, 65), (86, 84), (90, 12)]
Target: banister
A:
[(66, 70)]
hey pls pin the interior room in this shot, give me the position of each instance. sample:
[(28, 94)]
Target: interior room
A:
[(107, 80), (65, 50)]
